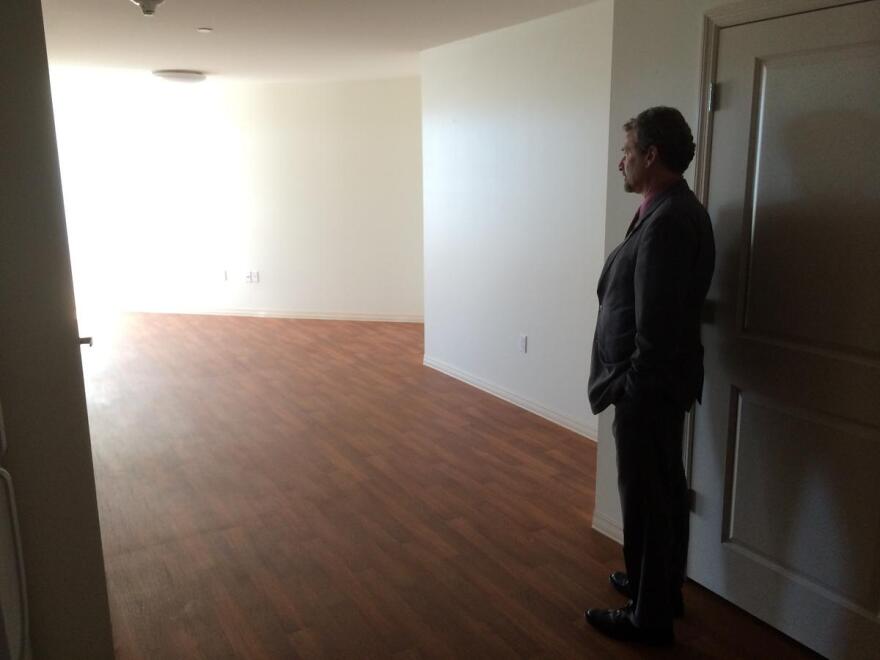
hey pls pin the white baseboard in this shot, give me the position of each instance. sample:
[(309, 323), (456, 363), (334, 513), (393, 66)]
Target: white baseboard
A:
[(276, 314), (607, 527), (580, 428)]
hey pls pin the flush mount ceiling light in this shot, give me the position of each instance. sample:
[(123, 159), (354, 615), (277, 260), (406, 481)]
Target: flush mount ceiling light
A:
[(148, 6), (205, 29), (180, 75)]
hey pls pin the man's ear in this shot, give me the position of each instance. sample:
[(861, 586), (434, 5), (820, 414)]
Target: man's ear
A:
[(651, 155)]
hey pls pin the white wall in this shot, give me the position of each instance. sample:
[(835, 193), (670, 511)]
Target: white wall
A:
[(515, 133), (169, 185), (646, 71)]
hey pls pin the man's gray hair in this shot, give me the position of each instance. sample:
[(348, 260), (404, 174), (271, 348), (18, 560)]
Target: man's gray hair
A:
[(666, 129)]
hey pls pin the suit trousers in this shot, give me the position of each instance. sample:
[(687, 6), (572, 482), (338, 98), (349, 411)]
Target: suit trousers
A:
[(654, 501)]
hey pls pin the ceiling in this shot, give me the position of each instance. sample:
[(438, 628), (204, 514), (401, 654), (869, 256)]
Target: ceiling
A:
[(275, 39)]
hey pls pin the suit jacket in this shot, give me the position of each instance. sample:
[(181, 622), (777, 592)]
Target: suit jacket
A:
[(651, 293)]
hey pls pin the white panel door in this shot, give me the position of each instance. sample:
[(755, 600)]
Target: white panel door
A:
[(786, 456)]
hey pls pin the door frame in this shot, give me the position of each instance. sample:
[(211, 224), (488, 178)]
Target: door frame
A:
[(729, 15)]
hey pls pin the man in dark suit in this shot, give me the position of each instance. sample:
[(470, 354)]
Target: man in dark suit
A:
[(648, 362)]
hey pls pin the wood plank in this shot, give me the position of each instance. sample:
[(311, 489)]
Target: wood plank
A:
[(306, 489)]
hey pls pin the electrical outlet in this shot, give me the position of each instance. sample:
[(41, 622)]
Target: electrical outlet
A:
[(523, 343), (252, 277)]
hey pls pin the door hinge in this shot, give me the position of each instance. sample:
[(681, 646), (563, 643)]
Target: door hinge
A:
[(712, 97)]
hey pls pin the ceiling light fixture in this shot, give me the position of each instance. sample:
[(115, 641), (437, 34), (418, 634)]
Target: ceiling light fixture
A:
[(180, 75), (148, 6), (205, 30)]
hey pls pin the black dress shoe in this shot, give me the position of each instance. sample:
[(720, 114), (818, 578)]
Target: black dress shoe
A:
[(617, 624), (620, 581)]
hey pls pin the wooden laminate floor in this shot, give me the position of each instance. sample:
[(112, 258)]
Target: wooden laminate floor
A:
[(307, 489)]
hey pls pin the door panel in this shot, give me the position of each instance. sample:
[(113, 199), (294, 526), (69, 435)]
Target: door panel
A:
[(822, 527), (809, 177), (786, 451)]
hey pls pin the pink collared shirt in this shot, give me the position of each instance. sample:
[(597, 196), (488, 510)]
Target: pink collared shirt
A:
[(644, 205), (640, 213)]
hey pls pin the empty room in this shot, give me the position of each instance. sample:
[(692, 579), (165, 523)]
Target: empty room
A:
[(308, 312)]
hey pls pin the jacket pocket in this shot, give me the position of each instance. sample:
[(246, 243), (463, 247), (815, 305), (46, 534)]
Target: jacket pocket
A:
[(618, 348)]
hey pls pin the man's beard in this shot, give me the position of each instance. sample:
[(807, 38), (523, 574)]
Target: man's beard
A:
[(627, 187)]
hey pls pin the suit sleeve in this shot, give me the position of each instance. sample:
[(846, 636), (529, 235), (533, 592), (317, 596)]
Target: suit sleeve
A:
[(660, 283)]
